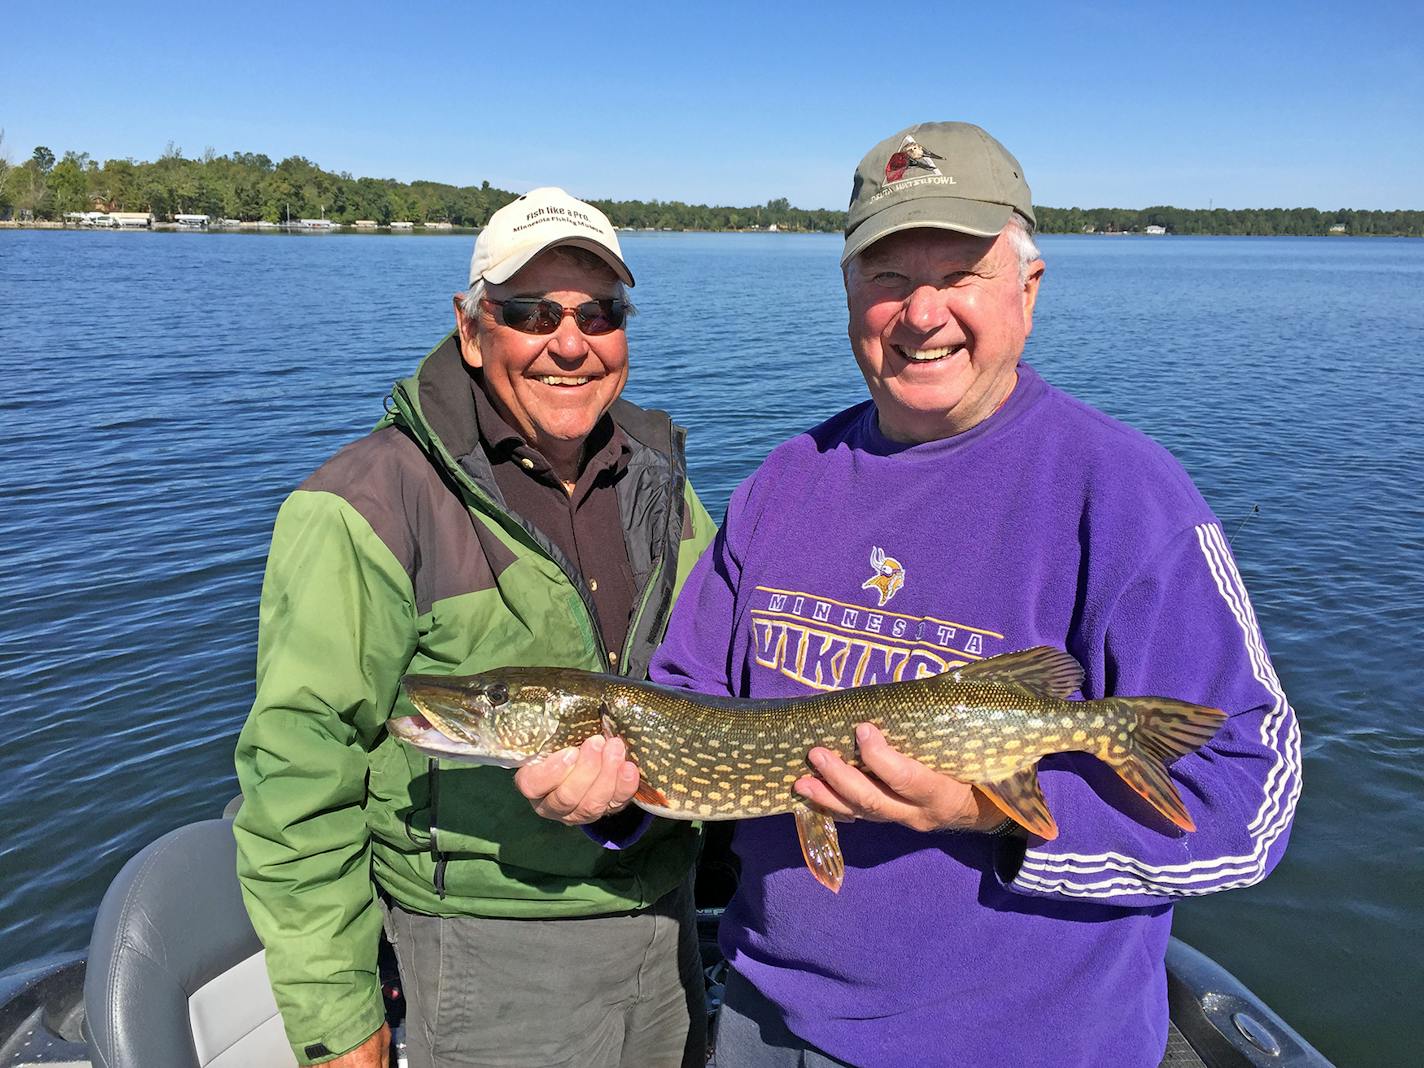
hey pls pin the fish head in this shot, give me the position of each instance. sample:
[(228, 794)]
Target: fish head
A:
[(505, 718)]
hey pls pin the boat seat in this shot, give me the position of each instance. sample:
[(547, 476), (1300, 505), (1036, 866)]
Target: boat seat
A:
[(176, 974)]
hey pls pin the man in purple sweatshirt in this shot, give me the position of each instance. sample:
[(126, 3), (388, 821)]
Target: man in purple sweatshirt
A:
[(970, 508)]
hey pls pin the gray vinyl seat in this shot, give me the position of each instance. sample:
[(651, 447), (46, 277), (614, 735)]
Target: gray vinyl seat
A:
[(176, 975)]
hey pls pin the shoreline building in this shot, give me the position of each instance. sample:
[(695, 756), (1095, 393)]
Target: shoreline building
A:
[(130, 220)]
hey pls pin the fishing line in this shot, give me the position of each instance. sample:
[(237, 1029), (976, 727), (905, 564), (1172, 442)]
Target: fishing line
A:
[(1254, 509)]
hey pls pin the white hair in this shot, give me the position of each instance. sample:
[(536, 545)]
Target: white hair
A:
[(1022, 241), (1020, 237), (470, 302)]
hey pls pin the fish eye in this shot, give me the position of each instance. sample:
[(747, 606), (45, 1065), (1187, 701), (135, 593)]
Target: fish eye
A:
[(497, 694)]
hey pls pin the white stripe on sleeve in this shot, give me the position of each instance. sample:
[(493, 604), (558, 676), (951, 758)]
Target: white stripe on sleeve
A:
[(1109, 875)]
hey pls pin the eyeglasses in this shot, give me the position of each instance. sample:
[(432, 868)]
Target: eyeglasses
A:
[(540, 315)]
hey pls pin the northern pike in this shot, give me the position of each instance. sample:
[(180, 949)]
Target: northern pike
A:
[(987, 723)]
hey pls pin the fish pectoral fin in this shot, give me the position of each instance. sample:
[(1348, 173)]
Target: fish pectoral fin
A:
[(650, 795), (1042, 670), (820, 846), (1020, 799)]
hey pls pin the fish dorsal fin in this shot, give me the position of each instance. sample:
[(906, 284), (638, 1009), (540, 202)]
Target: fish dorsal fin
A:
[(1042, 670), (1020, 798), (820, 846)]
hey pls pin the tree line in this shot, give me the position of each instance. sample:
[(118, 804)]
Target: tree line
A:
[(1255, 222), (249, 186)]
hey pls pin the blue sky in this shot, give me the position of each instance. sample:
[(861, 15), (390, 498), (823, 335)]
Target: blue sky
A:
[(1129, 105)]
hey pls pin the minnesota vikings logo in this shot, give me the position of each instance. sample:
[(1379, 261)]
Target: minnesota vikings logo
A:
[(910, 154), (888, 578)]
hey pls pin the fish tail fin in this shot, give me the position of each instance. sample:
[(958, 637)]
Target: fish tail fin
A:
[(1163, 730)]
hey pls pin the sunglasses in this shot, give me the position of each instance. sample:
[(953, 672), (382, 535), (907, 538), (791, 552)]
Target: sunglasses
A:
[(540, 315)]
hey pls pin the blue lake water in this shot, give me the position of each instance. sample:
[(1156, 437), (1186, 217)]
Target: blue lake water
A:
[(162, 392)]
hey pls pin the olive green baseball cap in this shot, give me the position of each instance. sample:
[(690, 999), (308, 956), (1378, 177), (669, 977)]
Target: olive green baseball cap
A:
[(946, 175)]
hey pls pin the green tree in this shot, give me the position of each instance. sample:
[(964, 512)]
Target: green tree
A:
[(43, 159), (29, 190), (118, 185), (5, 169), (69, 186)]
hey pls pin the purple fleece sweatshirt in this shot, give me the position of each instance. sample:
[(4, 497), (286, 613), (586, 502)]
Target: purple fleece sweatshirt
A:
[(848, 559)]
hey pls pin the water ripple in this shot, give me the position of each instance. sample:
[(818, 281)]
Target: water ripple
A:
[(152, 437)]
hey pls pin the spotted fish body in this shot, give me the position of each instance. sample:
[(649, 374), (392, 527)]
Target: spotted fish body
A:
[(708, 758)]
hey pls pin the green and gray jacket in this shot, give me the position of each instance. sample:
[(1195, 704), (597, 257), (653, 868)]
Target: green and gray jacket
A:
[(397, 556)]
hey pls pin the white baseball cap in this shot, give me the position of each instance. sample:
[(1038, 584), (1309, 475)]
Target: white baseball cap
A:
[(538, 220)]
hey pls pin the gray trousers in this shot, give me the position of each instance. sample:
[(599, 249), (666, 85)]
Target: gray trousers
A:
[(622, 991), (750, 1033)]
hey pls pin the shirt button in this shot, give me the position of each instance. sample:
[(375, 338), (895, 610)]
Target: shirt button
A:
[(593, 585), (612, 657), (526, 463)]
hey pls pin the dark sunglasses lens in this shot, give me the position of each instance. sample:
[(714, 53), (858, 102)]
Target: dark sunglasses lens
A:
[(600, 316), (532, 315)]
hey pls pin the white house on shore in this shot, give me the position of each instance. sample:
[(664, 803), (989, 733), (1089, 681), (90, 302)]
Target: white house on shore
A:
[(191, 222), (365, 224), (402, 226), (1154, 229)]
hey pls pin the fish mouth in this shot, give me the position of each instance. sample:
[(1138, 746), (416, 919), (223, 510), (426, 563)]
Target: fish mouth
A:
[(453, 722), (419, 733), (457, 711)]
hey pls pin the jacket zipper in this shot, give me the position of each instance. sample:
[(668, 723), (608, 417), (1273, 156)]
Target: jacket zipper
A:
[(671, 545)]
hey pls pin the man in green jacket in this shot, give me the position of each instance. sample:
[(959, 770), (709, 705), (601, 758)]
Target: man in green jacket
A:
[(508, 510)]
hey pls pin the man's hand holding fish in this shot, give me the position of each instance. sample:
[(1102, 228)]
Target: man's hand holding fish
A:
[(582, 785), (891, 787)]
